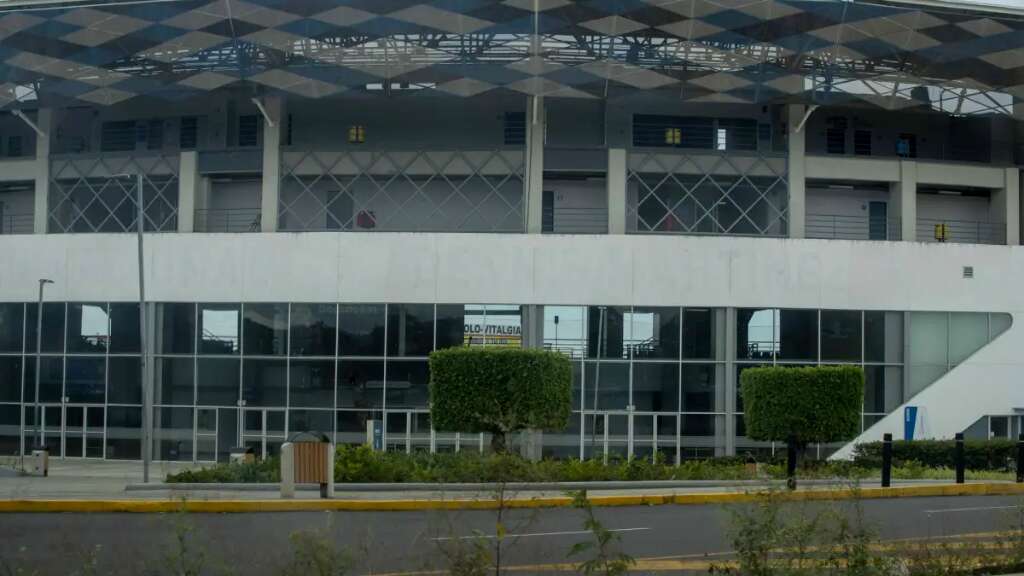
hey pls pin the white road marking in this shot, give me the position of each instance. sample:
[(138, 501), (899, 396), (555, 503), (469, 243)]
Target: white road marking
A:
[(975, 509), (533, 534)]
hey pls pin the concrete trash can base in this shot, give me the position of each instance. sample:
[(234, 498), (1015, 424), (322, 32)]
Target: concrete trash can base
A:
[(38, 462)]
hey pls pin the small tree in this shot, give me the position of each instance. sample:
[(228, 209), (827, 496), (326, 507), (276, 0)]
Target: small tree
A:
[(499, 391), (802, 405)]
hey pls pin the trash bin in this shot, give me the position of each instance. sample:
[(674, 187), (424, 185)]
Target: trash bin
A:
[(307, 458), (39, 461), (242, 455)]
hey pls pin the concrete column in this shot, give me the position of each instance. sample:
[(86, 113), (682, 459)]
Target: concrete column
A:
[(616, 182), (534, 185), (41, 211), (270, 191), (903, 200), (797, 151), (1004, 206), (188, 186)]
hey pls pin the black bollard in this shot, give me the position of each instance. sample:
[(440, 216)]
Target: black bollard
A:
[(886, 460), (1020, 459), (959, 458), (791, 464)]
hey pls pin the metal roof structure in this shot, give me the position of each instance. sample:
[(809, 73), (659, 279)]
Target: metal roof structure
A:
[(893, 55)]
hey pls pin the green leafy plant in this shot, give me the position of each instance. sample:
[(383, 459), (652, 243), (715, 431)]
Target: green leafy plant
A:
[(499, 391), (994, 455), (314, 554), (604, 560)]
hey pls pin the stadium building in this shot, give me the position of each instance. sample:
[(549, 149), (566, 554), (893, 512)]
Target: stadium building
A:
[(669, 191)]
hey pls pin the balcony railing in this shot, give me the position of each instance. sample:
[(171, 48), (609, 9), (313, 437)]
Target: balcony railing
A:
[(851, 227), (228, 220), (17, 223), (960, 231), (577, 221)]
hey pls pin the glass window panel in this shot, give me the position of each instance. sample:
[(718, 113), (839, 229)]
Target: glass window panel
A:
[(656, 387), (88, 328), (311, 383), (922, 376), (577, 385), (85, 380), (883, 337), (219, 327), (124, 384), (321, 421), (177, 332), (174, 381), (172, 434), (265, 329), (841, 335), (699, 333), (798, 335), (883, 388), (701, 390), (362, 329), (410, 329), (10, 430), (265, 382), (757, 333), (124, 327), (360, 384), (968, 333), (351, 426), (606, 324), (51, 379), (929, 338), (53, 327), (12, 324), (313, 330), (612, 391), (653, 333), (697, 425), (459, 325), (407, 384), (10, 378), (124, 433), (217, 381), (565, 330), (999, 323)]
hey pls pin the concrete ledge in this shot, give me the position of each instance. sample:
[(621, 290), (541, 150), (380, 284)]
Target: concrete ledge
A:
[(238, 506)]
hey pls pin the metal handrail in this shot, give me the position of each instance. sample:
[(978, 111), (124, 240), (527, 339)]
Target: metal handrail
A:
[(17, 223), (961, 231), (228, 220), (580, 220), (848, 227)]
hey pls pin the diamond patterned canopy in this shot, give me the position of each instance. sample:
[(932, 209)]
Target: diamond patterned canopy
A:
[(738, 51)]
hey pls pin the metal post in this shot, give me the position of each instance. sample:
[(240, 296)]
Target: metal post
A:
[(1020, 458), (597, 378), (886, 460), (147, 401), (39, 367), (959, 458)]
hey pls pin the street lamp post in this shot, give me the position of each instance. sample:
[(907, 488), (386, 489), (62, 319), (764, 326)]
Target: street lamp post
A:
[(39, 368), (147, 401)]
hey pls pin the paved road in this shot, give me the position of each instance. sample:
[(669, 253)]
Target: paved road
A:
[(256, 544)]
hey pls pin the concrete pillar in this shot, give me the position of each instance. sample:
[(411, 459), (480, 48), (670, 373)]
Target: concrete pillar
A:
[(1004, 206), (270, 192), (534, 185), (797, 151), (616, 182), (41, 211), (188, 186), (903, 200)]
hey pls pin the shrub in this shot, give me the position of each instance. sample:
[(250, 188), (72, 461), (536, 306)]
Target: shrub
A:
[(499, 391), (817, 404), (978, 454)]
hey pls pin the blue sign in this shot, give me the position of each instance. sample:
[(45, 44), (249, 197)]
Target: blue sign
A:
[(909, 422), (378, 435)]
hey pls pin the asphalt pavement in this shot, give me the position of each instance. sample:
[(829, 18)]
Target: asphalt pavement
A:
[(666, 538)]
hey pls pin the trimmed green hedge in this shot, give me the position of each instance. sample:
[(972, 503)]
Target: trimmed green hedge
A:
[(499, 391), (978, 454), (815, 404)]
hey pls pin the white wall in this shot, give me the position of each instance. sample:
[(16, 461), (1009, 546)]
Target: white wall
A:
[(939, 207)]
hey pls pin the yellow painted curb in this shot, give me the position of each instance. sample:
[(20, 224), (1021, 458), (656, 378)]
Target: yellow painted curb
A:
[(219, 506)]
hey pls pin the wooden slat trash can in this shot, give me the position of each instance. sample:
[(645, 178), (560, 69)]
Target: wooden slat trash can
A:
[(307, 458)]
